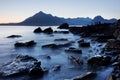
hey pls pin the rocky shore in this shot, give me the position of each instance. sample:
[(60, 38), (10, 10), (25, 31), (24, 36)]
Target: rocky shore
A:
[(102, 33)]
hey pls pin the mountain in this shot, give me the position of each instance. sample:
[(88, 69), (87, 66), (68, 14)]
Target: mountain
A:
[(43, 19), (102, 20)]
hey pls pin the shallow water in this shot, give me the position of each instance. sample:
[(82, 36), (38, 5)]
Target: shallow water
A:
[(58, 56)]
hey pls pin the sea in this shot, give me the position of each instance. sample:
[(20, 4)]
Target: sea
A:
[(58, 56)]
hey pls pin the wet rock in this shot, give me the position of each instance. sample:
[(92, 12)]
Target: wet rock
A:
[(80, 41), (64, 26), (56, 68), (22, 64), (85, 76), (84, 44), (75, 60), (74, 50), (55, 46), (38, 30), (48, 30), (14, 36), (64, 32), (113, 44), (100, 60), (62, 39), (26, 44)]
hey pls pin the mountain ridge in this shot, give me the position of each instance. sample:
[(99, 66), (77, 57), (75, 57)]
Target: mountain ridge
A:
[(43, 19)]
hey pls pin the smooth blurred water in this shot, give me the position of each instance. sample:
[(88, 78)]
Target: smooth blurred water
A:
[(58, 56)]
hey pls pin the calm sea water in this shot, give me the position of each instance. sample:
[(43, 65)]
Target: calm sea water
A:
[(58, 56)]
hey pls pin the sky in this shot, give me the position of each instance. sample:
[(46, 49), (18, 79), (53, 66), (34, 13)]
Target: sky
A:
[(19, 10)]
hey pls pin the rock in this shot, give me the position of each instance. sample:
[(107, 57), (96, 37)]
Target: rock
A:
[(56, 68), (113, 44), (100, 60), (48, 30), (117, 34), (85, 76), (38, 30), (80, 41), (61, 39), (74, 50), (84, 44), (22, 64), (64, 26), (14, 36), (26, 44), (55, 46), (75, 60), (64, 32)]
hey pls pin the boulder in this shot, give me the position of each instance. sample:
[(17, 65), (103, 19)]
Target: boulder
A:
[(73, 50), (48, 30), (85, 76), (100, 60), (26, 44), (14, 36), (64, 26), (22, 64), (38, 30), (84, 44), (56, 68)]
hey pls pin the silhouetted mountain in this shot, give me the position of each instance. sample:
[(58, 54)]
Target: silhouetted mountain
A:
[(43, 19), (102, 20)]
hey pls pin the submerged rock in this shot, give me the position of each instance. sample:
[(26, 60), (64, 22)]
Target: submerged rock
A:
[(64, 26), (64, 32), (74, 50), (38, 30), (48, 30), (75, 60), (55, 46), (61, 39), (85, 76), (14, 36), (26, 44), (22, 64), (56, 68)]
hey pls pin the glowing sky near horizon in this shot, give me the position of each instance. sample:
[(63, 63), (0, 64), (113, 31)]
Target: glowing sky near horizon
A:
[(18, 10)]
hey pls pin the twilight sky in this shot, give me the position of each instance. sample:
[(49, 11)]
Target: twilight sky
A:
[(18, 10)]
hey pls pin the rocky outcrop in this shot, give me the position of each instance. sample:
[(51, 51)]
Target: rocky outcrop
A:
[(48, 30), (26, 44), (38, 30), (22, 64), (14, 36), (64, 26)]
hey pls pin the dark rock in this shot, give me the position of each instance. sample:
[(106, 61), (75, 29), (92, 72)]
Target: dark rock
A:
[(48, 30), (55, 46), (36, 72), (22, 64), (81, 41), (117, 34), (86, 76), (62, 39), (100, 60), (84, 44), (64, 26), (113, 44), (75, 60), (14, 36), (56, 68), (38, 30), (26, 44), (74, 50), (64, 32)]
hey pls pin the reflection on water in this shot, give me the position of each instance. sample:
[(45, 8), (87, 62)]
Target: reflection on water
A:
[(58, 56)]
